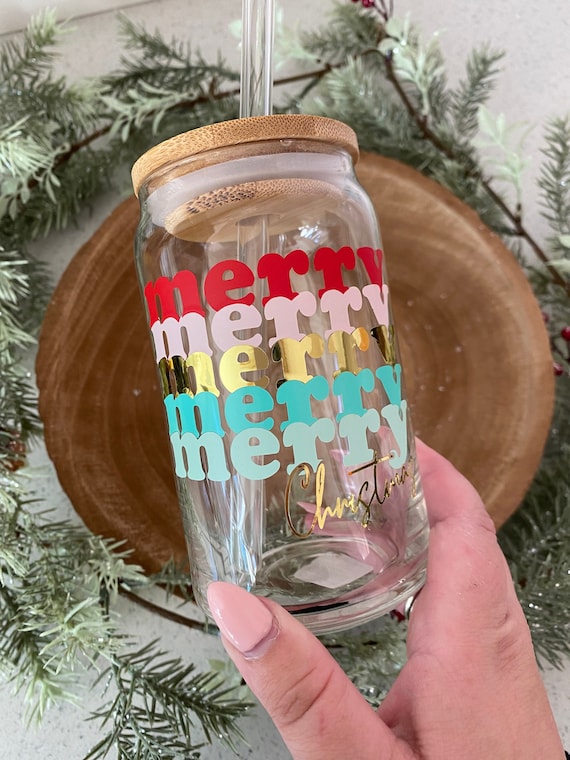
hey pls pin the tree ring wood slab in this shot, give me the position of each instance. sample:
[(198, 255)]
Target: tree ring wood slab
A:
[(475, 354)]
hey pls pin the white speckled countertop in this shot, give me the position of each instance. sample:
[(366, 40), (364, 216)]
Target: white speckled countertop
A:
[(536, 84)]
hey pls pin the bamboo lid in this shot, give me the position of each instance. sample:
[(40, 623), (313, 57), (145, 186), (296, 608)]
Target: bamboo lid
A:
[(239, 131)]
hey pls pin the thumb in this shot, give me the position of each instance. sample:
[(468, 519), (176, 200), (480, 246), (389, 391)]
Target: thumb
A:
[(317, 710)]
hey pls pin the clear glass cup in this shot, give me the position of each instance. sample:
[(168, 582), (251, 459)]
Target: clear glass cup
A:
[(262, 273)]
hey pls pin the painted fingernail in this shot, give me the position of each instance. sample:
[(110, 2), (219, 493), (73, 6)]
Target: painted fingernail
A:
[(242, 618)]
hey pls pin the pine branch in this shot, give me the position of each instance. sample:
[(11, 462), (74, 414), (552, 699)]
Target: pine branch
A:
[(151, 715), (382, 126), (474, 90), (347, 35), (535, 543), (23, 663), (58, 576), (513, 217), (554, 183), (13, 287), (164, 65), (151, 46), (22, 62), (84, 174), (19, 421), (57, 619)]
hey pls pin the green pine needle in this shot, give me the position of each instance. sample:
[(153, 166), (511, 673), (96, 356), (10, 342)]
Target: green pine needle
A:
[(535, 542), (473, 91), (23, 60), (156, 698), (554, 183)]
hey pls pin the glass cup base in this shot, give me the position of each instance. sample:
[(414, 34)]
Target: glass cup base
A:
[(303, 582)]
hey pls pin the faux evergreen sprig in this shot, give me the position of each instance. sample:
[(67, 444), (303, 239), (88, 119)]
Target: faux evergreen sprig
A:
[(60, 145), (53, 579), (419, 120), (159, 78), (151, 714), (555, 190), (536, 543)]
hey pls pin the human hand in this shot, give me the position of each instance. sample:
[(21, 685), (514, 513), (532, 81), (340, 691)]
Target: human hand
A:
[(470, 689)]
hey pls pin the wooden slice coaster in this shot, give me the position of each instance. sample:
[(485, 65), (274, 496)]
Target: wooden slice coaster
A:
[(475, 351)]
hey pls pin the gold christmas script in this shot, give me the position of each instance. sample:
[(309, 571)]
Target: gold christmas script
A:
[(369, 493)]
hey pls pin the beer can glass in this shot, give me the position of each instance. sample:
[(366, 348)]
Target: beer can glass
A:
[(262, 274)]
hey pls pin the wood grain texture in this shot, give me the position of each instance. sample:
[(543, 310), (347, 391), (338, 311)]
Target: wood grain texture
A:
[(240, 132), (475, 352)]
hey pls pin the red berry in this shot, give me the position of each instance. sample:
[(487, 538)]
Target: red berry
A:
[(565, 333), (16, 458), (558, 369)]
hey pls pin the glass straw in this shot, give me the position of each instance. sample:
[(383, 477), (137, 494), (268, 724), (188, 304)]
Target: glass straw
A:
[(258, 24), (246, 500)]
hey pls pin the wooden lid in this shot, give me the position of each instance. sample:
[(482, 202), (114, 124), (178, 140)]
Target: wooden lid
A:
[(239, 131)]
